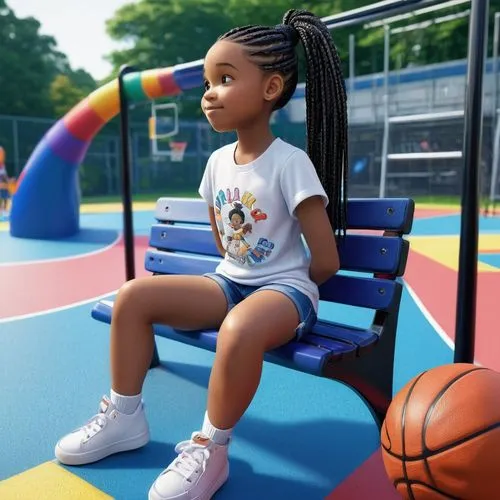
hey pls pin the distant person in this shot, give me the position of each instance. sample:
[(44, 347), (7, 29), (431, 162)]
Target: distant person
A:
[(425, 146), (4, 184)]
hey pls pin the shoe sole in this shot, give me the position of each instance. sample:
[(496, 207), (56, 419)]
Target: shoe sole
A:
[(153, 495), (96, 455)]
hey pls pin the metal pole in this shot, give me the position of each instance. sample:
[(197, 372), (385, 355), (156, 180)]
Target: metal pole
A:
[(385, 138), (494, 167), (352, 67), (376, 11), (467, 267), (107, 159), (494, 63), (128, 228)]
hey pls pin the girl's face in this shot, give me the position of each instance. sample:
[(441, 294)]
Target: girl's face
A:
[(236, 90)]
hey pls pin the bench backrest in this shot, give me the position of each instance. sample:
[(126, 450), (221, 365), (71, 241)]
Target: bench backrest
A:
[(183, 244)]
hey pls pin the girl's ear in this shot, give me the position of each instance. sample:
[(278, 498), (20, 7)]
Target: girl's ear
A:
[(273, 87)]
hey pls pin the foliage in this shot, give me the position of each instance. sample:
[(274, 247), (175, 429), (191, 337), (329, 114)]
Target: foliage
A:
[(64, 94), (167, 32), (161, 33), (37, 79), (32, 67)]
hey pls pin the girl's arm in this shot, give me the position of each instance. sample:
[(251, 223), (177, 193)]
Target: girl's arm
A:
[(215, 231), (320, 239)]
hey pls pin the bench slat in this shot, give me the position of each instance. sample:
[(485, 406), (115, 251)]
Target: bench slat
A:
[(305, 357), (374, 254), (370, 293), (198, 239), (309, 355), (157, 261), (323, 333), (357, 336), (394, 214)]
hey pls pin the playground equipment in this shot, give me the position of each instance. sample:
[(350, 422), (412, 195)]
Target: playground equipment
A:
[(46, 205)]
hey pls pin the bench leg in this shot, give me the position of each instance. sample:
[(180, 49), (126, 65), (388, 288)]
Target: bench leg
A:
[(155, 360), (371, 375)]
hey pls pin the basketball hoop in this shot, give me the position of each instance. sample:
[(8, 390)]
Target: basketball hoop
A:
[(177, 150), (163, 124)]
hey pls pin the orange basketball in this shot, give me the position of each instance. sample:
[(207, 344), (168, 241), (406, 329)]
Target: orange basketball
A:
[(441, 436)]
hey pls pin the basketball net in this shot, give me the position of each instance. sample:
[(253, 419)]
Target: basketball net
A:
[(177, 150)]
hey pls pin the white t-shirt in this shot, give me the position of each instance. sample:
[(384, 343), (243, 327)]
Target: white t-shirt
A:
[(254, 207)]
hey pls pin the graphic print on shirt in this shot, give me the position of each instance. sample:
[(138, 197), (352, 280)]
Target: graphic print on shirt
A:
[(237, 219)]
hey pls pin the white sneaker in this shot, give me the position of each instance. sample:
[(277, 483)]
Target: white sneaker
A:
[(196, 474), (104, 434)]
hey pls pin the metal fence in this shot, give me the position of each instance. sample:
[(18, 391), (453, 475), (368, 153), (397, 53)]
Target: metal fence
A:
[(19, 136), (100, 170)]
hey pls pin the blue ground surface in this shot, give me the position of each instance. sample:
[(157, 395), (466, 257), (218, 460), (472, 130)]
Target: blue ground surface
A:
[(299, 439)]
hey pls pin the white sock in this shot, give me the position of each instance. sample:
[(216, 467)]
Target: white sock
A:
[(219, 436), (125, 404)]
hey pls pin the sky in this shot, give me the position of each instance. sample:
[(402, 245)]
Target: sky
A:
[(78, 27)]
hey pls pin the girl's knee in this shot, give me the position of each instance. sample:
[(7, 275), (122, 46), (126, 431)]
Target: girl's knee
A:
[(235, 337), (131, 300), (128, 292)]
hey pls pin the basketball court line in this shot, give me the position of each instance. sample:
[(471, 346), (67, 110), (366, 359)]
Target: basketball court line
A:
[(82, 255), (429, 317), (10, 319), (70, 281), (436, 286)]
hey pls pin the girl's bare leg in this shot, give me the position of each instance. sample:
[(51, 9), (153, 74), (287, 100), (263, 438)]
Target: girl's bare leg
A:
[(184, 302), (263, 321)]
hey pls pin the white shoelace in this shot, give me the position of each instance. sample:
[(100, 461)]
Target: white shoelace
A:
[(94, 425), (191, 457)]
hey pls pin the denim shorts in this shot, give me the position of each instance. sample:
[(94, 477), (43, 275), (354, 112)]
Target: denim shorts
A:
[(236, 292)]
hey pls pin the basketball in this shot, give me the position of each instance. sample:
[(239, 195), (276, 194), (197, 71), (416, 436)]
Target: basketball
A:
[(441, 435)]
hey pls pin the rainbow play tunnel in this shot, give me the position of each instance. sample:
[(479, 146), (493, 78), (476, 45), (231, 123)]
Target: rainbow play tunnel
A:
[(47, 201)]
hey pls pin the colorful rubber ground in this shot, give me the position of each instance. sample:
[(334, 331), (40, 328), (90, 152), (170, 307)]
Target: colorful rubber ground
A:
[(302, 437)]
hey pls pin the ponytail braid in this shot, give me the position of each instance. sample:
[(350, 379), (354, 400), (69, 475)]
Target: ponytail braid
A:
[(272, 49)]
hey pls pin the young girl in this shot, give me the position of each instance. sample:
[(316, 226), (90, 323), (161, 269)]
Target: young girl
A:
[(265, 295)]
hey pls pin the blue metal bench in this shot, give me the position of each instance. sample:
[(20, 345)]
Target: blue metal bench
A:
[(182, 243)]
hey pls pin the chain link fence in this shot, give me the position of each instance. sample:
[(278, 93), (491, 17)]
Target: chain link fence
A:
[(156, 174)]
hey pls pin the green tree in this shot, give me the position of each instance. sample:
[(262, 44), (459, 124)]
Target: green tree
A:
[(424, 39), (162, 33), (81, 80), (167, 32), (64, 94), (30, 64)]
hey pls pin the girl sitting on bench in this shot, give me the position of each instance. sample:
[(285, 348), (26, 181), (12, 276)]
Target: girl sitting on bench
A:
[(262, 195)]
